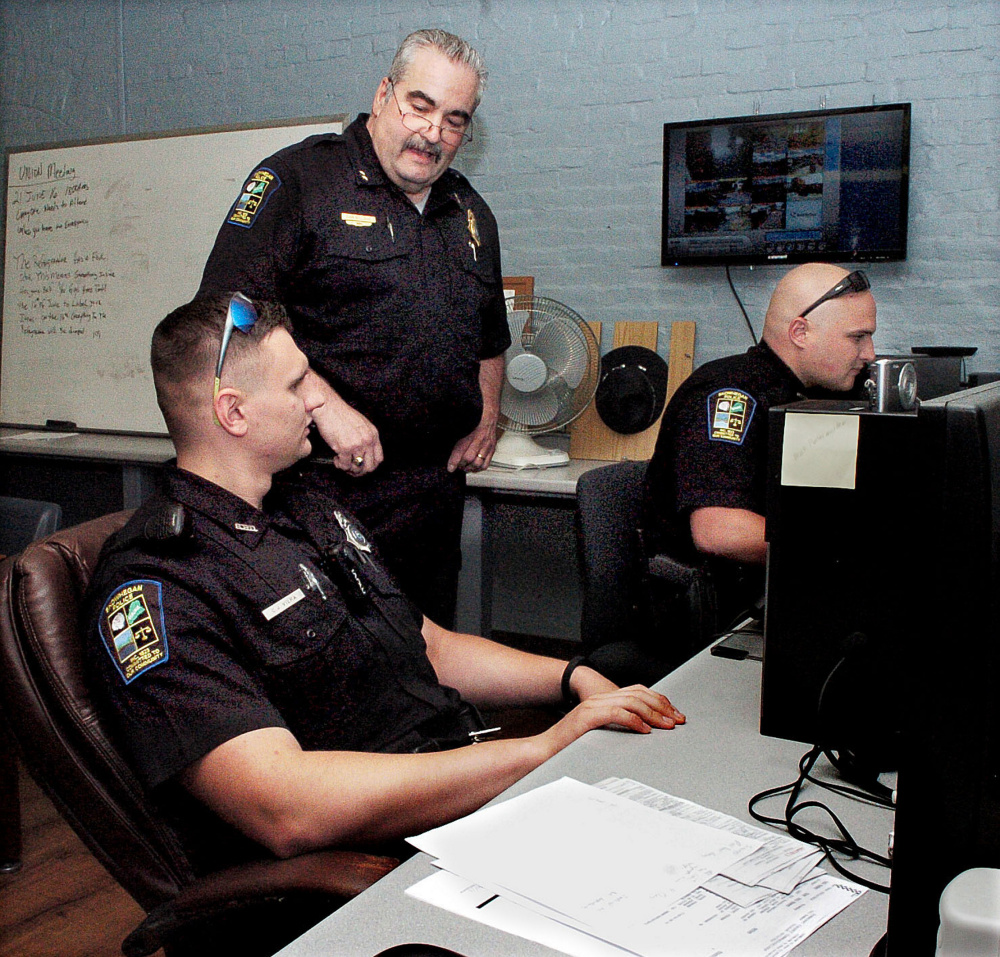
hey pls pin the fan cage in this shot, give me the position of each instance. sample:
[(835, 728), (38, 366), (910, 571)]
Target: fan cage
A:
[(571, 352)]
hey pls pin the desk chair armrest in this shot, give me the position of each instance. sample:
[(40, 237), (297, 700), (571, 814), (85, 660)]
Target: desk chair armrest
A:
[(204, 909), (670, 570)]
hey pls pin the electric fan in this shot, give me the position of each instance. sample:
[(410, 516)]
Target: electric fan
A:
[(551, 370)]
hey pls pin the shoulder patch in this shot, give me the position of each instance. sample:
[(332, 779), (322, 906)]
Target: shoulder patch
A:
[(729, 415), (256, 192), (132, 629)]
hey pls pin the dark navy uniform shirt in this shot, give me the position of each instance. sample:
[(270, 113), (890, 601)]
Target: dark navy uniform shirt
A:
[(248, 620), (394, 308), (712, 447)]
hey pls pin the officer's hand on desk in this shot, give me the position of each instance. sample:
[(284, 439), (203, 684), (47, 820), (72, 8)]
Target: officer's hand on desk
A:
[(634, 708), (354, 440)]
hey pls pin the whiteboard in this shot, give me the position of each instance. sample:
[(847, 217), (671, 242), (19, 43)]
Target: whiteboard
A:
[(104, 238)]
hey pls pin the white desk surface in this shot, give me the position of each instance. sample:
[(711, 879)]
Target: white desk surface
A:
[(155, 450), (718, 759), (130, 449), (560, 480)]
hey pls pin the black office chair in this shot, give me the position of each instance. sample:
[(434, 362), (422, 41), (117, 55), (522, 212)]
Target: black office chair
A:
[(641, 617), (25, 520), (22, 521), (64, 742)]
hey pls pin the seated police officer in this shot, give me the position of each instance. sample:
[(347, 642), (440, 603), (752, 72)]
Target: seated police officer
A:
[(268, 680), (704, 497)]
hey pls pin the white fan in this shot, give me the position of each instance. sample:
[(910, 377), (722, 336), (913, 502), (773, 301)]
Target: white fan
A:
[(551, 371)]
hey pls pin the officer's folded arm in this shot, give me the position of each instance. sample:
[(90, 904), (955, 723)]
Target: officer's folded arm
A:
[(293, 801), (735, 533)]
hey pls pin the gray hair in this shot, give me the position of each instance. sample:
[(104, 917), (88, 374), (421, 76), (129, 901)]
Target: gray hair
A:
[(454, 48)]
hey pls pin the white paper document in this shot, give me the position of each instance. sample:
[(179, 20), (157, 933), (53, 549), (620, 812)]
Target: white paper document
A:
[(599, 859), (623, 868)]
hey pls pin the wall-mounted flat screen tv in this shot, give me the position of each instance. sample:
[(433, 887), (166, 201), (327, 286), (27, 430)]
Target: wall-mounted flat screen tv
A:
[(824, 185)]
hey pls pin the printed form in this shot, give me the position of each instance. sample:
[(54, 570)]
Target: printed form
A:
[(595, 871)]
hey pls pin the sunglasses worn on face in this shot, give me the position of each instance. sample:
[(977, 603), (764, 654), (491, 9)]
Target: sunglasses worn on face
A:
[(241, 315), (857, 281)]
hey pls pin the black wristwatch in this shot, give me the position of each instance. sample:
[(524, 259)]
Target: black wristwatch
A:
[(568, 696)]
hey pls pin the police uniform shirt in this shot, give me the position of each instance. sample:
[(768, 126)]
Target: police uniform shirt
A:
[(394, 308), (235, 625), (712, 447)]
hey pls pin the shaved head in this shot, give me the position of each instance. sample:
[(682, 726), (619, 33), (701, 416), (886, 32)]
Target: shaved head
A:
[(798, 289), (833, 344)]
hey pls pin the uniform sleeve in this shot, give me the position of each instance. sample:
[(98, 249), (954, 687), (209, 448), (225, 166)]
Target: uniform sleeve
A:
[(171, 677), (715, 460), (257, 244)]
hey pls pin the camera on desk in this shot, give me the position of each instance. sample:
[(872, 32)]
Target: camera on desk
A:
[(891, 385)]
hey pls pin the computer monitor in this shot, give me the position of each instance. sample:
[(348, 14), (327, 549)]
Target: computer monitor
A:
[(840, 581), (948, 811)]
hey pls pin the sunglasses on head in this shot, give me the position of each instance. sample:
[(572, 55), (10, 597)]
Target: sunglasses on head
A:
[(857, 281), (241, 315)]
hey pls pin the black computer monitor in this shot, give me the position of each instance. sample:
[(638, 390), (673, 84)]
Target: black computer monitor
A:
[(948, 811), (840, 588)]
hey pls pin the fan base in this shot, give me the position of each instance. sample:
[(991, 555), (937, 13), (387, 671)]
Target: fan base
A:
[(518, 451)]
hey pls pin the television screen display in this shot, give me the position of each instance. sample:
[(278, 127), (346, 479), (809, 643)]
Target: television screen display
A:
[(825, 185)]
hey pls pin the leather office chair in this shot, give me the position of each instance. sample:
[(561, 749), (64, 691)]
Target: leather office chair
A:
[(642, 616), (22, 520), (66, 746)]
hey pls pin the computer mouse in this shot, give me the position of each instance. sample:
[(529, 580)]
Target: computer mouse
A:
[(417, 950)]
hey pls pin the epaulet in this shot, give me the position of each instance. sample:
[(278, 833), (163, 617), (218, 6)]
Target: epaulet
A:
[(159, 525)]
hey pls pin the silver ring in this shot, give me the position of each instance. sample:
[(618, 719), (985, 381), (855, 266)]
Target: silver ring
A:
[(480, 456), (359, 460)]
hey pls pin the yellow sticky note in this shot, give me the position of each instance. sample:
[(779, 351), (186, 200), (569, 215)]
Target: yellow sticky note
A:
[(820, 450)]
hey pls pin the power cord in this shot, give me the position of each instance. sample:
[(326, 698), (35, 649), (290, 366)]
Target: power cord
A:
[(739, 302), (845, 845)]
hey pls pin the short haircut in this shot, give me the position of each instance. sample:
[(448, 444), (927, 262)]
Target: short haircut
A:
[(185, 349), (454, 48)]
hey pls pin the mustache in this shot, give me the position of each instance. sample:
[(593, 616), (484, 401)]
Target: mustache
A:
[(417, 142)]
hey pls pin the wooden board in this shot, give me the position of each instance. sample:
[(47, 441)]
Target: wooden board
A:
[(681, 360), (590, 438)]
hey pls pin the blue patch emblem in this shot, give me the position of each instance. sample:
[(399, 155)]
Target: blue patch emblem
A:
[(257, 191), (131, 627), (729, 415)]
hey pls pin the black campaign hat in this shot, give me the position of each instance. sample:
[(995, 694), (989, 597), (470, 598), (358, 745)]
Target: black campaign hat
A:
[(632, 390)]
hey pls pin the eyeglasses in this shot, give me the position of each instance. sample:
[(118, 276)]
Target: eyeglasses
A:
[(241, 315), (415, 123), (857, 281)]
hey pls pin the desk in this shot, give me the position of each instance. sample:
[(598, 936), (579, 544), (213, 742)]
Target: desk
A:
[(68, 469), (718, 759), (490, 495)]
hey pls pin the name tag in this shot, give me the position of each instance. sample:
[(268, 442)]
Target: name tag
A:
[(358, 219), (283, 604)]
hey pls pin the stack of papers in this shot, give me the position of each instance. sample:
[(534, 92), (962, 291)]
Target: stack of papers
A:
[(595, 870)]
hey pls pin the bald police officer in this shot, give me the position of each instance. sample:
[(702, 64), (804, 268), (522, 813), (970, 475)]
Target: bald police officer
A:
[(705, 489)]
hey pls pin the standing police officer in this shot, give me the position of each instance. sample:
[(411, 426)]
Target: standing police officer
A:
[(388, 263)]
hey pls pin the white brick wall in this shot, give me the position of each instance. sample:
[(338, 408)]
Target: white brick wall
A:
[(569, 139)]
